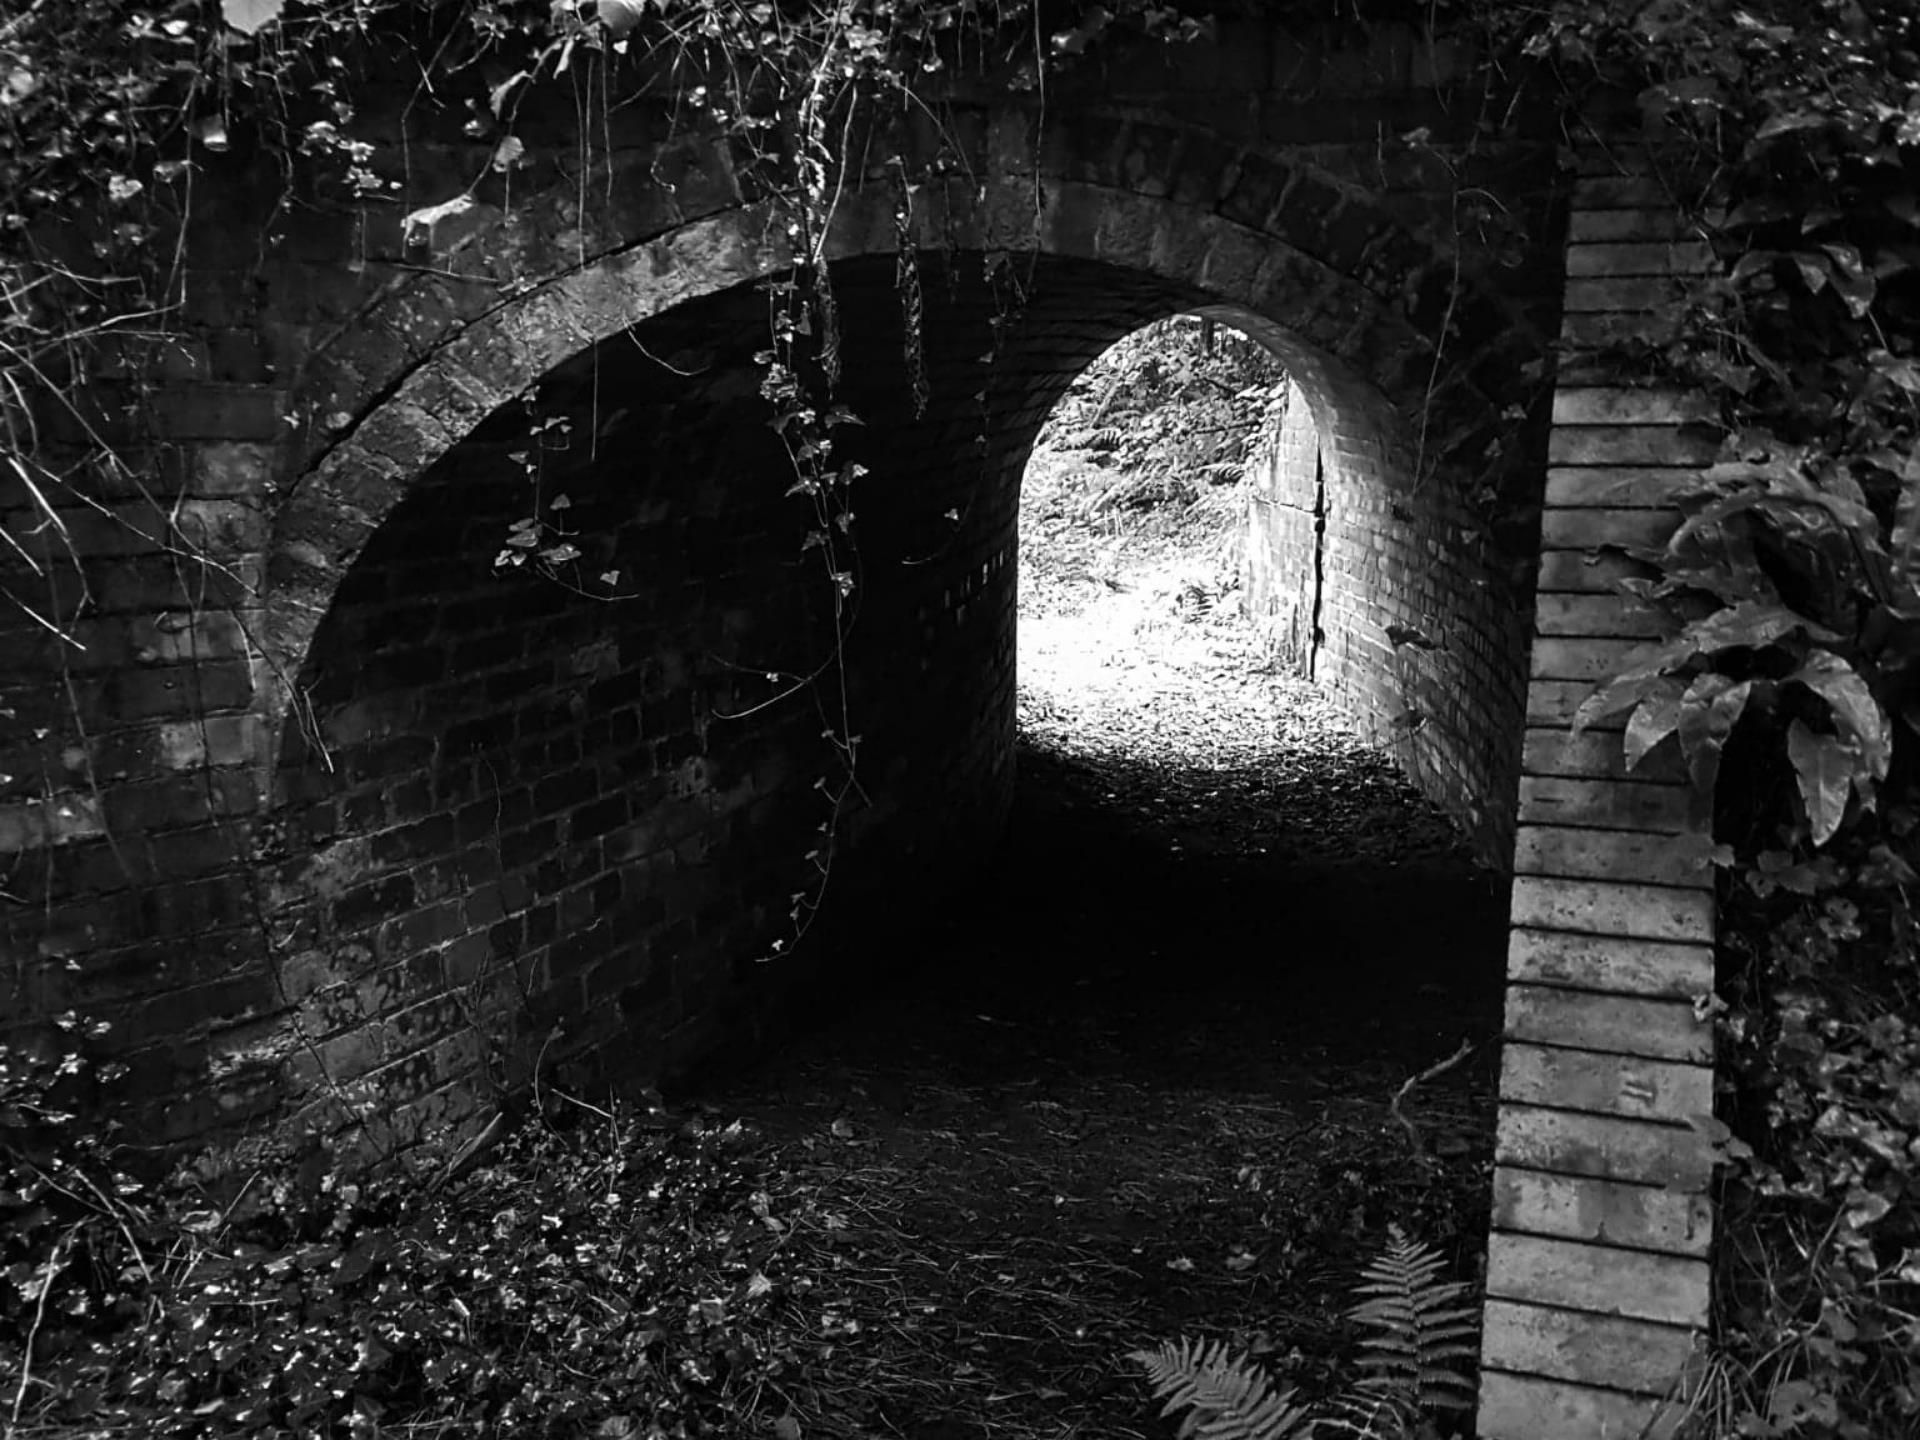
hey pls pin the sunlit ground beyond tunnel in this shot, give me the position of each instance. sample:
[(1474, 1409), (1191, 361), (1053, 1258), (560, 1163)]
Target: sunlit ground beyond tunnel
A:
[(1142, 1084), (1138, 667)]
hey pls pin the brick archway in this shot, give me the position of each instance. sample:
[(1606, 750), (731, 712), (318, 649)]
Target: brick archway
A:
[(1352, 348), (1339, 253)]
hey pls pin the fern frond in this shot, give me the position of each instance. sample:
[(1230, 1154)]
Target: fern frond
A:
[(1369, 1415), (1230, 1397), (1425, 1340)]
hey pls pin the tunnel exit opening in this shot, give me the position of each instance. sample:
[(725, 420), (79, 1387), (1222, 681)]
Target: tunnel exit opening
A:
[(1173, 534), (1132, 505)]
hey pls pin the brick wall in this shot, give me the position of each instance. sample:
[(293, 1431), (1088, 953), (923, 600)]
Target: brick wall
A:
[(504, 805), (1392, 595), (332, 377)]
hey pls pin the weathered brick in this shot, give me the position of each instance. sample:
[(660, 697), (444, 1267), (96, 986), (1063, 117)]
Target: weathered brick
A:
[(220, 412)]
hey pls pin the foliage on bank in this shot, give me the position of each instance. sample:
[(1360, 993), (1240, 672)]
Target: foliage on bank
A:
[(1791, 688)]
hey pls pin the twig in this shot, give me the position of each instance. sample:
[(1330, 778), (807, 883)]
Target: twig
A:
[(53, 1268), (1431, 1072), (474, 1151)]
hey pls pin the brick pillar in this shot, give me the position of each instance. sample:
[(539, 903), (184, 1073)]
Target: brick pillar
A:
[(1596, 1270)]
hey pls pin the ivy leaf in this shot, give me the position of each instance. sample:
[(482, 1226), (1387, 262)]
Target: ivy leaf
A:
[(1708, 711), (1624, 691), (1812, 271), (1902, 372), (497, 96), (1750, 625), (1866, 1207), (1856, 714), (250, 17), (1656, 717), (1786, 122), (1846, 259), (508, 153), (1851, 281), (1906, 531), (621, 16), (1076, 40), (1824, 766), (418, 224), (1792, 1404)]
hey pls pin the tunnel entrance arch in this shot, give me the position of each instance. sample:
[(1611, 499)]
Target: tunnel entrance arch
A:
[(572, 820)]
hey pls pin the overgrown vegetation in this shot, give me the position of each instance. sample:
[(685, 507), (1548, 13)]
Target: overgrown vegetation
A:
[(1792, 686), (1416, 1358), (605, 1273), (1145, 456), (1175, 409), (829, 1269)]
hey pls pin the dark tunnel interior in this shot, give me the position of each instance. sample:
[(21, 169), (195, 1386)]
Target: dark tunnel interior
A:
[(567, 749)]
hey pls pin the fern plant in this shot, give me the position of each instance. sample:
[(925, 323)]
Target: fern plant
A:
[(1424, 1342), (1416, 1361), (1228, 1397)]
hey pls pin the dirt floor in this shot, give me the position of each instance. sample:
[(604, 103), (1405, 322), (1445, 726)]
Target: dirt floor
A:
[(1142, 1088)]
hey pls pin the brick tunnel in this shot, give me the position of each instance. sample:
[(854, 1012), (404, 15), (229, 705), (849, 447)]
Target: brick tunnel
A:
[(360, 815), (588, 805), (337, 819)]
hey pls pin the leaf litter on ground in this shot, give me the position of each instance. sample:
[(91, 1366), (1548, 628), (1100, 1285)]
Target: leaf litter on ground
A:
[(1139, 1085)]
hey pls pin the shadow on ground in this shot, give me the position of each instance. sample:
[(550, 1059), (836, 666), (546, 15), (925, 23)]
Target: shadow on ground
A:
[(1140, 1087)]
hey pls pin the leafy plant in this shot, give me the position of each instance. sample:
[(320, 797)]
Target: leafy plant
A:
[(1416, 1361), (1795, 603), (1423, 1345), (1226, 1396), (1789, 685)]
